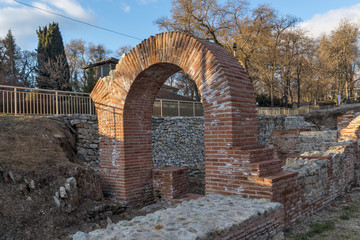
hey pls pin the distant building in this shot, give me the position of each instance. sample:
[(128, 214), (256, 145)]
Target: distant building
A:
[(103, 68)]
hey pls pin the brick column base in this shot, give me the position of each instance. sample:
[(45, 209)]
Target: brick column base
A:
[(170, 182)]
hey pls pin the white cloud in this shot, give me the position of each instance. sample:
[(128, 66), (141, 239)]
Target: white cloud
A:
[(324, 23), (144, 2), (71, 8), (126, 8), (8, 2), (24, 21)]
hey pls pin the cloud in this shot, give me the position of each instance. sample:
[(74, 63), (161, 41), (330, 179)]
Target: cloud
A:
[(326, 22), (71, 8), (11, 2), (24, 21), (144, 2), (126, 8)]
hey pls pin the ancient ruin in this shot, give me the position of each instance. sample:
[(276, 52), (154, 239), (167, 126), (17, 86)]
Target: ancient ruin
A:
[(234, 162), (302, 168)]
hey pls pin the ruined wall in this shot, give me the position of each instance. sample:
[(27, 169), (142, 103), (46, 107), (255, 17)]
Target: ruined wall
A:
[(178, 142), (211, 217), (267, 124), (325, 169), (87, 136)]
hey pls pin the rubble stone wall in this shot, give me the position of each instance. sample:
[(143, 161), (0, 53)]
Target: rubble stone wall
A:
[(176, 141), (87, 136), (325, 169), (211, 217)]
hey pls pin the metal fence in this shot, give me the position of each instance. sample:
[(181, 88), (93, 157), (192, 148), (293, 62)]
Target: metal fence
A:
[(273, 111), (171, 108), (22, 100), (31, 101)]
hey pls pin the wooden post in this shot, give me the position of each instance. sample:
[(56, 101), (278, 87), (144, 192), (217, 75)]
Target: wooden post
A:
[(15, 101), (90, 107), (161, 108), (57, 102)]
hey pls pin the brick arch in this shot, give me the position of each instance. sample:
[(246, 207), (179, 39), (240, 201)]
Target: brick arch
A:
[(234, 163)]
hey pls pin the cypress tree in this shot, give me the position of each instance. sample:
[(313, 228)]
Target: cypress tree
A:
[(53, 67)]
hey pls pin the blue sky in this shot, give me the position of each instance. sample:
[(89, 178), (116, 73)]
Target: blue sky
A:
[(136, 18)]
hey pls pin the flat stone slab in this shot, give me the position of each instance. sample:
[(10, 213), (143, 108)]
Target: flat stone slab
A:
[(211, 217)]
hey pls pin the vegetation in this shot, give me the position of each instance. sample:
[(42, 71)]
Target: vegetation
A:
[(282, 60), (53, 68), (17, 67), (80, 54), (316, 229)]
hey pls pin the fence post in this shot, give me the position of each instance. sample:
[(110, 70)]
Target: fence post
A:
[(15, 100), (161, 108), (178, 108), (194, 109), (90, 106), (57, 102)]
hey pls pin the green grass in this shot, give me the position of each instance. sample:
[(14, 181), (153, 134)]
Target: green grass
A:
[(316, 229), (348, 212)]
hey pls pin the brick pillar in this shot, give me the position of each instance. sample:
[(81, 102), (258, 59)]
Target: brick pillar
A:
[(170, 182)]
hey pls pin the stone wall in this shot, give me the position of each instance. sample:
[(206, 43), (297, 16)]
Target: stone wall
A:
[(178, 142), (211, 217), (322, 177), (269, 123), (87, 136), (324, 169)]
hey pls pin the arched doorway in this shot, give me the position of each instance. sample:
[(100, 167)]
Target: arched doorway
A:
[(124, 100)]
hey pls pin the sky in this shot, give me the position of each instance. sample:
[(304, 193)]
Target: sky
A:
[(136, 18)]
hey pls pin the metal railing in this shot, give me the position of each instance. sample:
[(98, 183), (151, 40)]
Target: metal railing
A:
[(274, 111), (31, 101), (22, 101), (173, 108)]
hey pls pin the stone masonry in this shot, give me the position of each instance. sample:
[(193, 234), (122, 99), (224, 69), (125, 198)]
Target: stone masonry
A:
[(87, 136), (178, 142), (211, 217)]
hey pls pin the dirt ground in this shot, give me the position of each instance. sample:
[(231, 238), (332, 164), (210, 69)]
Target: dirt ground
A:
[(339, 221), (37, 149)]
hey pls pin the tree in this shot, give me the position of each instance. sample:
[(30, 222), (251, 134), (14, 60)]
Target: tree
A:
[(339, 55), (258, 34), (52, 59), (27, 67), (122, 50), (80, 54), (97, 53), (10, 56), (204, 19), (76, 54)]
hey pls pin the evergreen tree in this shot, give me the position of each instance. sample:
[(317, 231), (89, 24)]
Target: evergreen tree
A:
[(9, 59), (53, 67), (89, 80)]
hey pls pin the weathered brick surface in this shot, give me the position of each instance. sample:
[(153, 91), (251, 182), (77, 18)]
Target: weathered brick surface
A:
[(348, 126), (233, 159), (170, 182)]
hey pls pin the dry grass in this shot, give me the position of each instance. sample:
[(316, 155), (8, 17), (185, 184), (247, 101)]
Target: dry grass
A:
[(339, 221)]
